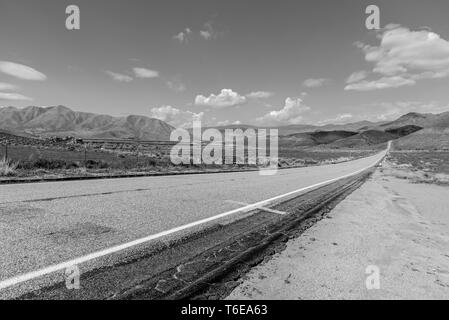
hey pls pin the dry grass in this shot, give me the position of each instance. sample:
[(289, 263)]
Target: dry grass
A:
[(419, 167), (418, 176), (7, 168)]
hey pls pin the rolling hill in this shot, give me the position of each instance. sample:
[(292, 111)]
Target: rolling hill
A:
[(62, 121), (424, 120), (426, 139), (307, 128), (434, 136), (309, 139), (372, 137)]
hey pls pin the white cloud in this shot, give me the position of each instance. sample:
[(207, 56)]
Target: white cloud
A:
[(357, 76), (183, 36), (339, 119), (260, 95), (343, 117), (315, 83), (291, 113), (14, 97), (119, 77), (403, 57), (176, 117), (382, 83), (176, 85), (145, 73), (165, 113), (226, 98), (227, 123), (208, 33), (7, 86), (21, 71)]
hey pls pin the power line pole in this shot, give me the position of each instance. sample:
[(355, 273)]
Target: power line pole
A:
[(85, 156), (137, 154)]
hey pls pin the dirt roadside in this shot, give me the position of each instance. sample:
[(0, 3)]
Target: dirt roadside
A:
[(398, 226)]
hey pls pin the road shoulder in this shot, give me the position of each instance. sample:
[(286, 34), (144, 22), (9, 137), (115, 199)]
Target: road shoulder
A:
[(399, 227)]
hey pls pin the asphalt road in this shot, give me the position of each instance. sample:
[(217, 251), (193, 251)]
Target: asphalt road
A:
[(48, 223)]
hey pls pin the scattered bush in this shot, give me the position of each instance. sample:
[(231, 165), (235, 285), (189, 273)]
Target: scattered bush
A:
[(49, 164), (96, 164), (52, 164), (7, 168)]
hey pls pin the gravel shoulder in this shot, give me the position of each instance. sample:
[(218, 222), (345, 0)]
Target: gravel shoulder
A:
[(399, 226)]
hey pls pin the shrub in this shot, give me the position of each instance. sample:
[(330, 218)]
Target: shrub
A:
[(7, 168), (49, 164), (96, 164)]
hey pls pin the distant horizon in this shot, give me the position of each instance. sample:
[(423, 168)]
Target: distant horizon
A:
[(231, 125)]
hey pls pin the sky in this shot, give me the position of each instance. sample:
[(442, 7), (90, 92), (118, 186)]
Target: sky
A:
[(266, 63)]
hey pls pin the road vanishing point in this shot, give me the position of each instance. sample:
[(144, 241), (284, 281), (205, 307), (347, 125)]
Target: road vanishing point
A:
[(48, 227)]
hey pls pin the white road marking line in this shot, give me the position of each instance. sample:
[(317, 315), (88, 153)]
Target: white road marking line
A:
[(260, 208), (64, 265)]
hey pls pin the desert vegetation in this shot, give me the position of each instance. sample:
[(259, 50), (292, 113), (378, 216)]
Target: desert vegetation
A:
[(27, 154), (7, 168), (420, 166)]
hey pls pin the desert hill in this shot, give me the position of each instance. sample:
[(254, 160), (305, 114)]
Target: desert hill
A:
[(372, 137), (62, 121), (309, 139), (412, 131), (433, 136), (424, 120)]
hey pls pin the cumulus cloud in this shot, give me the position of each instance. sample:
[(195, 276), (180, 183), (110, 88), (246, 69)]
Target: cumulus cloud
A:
[(14, 97), (291, 113), (183, 36), (226, 98), (145, 73), (403, 57), (315, 83), (259, 95), (7, 86), (21, 71), (119, 77), (176, 117)]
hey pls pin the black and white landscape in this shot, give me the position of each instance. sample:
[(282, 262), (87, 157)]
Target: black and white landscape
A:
[(110, 114)]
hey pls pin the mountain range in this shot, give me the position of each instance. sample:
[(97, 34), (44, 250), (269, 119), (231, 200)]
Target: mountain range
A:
[(415, 128), (62, 121)]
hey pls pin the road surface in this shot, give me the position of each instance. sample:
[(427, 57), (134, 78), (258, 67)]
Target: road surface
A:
[(46, 224)]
